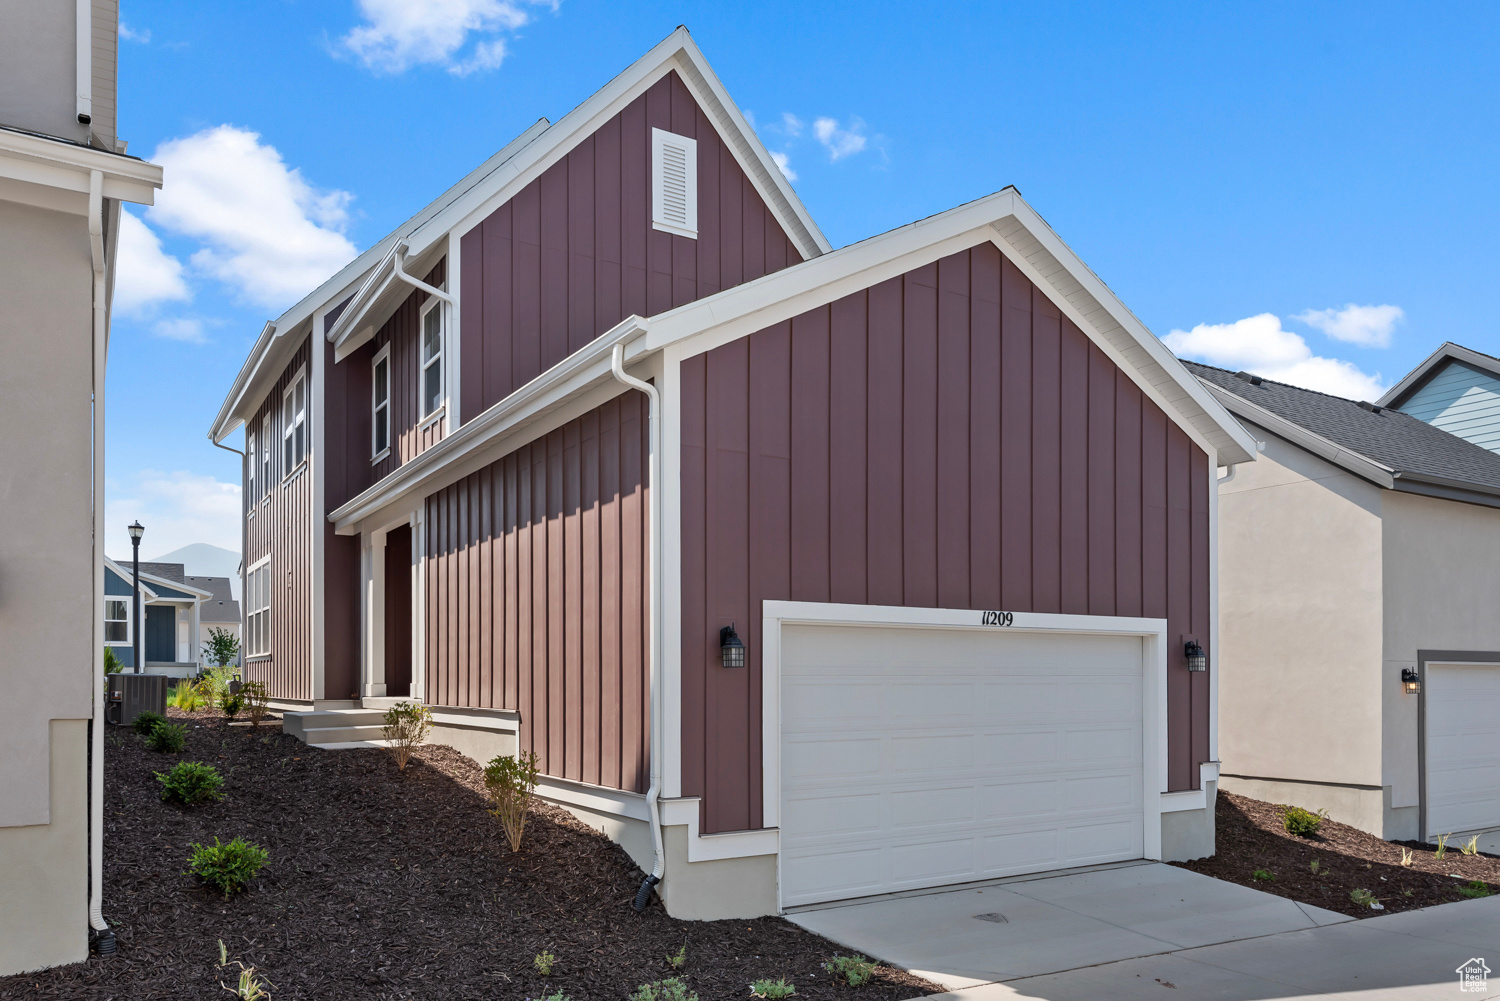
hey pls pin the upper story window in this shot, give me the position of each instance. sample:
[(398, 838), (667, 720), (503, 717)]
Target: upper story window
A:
[(294, 425), (250, 464), (431, 389), (258, 609), (674, 183), (380, 402), (265, 453), (116, 620)]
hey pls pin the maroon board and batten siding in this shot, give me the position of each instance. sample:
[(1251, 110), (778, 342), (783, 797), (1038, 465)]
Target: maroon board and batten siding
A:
[(279, 522), (536, 594), (943, 439), (573, 253)]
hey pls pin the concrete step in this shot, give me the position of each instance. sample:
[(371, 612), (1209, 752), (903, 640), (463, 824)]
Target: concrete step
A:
[(349, 745), (321, 735), (305, 725)]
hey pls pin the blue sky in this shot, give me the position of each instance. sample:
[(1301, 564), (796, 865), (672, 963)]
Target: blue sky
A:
[(1240, 176)]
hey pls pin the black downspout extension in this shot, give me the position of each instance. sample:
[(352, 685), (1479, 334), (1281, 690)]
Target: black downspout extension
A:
[(643, 895)]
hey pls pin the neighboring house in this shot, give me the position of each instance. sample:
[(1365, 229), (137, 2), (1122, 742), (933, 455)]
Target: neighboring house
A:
[(955, 501), (171, 610), (218, 611), (1456, 389), (1360, 550), (63, 178)]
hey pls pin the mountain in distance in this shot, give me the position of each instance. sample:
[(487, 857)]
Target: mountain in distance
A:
[(203, 560)]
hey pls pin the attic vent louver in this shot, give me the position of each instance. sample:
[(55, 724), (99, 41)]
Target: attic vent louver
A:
[(674, 183), (1253, 380), (1372, 408)]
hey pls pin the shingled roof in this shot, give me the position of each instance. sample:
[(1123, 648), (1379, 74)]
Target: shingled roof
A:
[(1387, 447)]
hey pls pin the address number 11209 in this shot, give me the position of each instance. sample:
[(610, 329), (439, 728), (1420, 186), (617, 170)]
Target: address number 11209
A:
[(996, 619)]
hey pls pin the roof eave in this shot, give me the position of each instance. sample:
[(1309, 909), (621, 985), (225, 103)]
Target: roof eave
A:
[(1398, 394)]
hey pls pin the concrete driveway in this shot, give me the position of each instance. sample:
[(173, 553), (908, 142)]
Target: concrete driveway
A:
[(1147, 930)]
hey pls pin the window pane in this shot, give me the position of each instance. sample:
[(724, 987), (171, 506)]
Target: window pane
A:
[(297, 394), (286, 411), (432, 378), (382, 383), (432, 329), (382, 429), (301, 437), (115, 609), (287, 458), (116, 632)]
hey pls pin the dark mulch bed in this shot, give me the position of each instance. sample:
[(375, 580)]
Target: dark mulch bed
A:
[(383, 886), (1251, 837)]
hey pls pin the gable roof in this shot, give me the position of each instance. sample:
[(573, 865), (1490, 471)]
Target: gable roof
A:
[(220, 605), (467, 203), (156, 585), (1379, 444), (1402, 391)]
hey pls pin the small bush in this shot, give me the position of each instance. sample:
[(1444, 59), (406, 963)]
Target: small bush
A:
[(231, 703), (1302, 823), (1315, 867), (168, 738), (855, 970), (191, 783), (214, 684), (146, 722), (405, 729), (186, 696), (543, 963), (510, 782), (679, 958), (774, 990), (1475, 888), (227, 868), (1265, 876), (1364, 898), (1471, 847), (1442, 848), (256, 701), (112, 664), (670, 989)]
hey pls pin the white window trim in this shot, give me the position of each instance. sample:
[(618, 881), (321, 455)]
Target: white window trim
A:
[(289, 427), (687, 224), (129, 639), (262, 564), (251, 439), (265, 459), (383, 355), (428, 416)]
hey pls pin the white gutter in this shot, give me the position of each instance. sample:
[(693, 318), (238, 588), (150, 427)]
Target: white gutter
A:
[(400, 272), (96, 778), (653, 804)]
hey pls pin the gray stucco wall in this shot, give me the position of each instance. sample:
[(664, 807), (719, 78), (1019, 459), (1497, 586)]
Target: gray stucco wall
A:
[(1300, 637), (38, 68)]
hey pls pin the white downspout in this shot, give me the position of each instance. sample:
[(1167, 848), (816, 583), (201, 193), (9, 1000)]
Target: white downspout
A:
[(653, 805), (106, 938), (84, 66)]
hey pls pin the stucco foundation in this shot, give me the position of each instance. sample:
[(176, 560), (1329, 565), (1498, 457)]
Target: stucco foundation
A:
[(1367, 808), (481, 744), (1189, 834)]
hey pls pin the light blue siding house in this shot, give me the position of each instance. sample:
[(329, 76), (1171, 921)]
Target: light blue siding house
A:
[(1456, 389), (170, 613)]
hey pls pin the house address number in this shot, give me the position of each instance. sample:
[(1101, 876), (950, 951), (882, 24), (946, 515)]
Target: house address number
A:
[(996, 619)]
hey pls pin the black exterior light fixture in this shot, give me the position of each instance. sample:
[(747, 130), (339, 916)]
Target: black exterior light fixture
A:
[(730, 648), (1197, 660), (136, 530), (1411, 681)]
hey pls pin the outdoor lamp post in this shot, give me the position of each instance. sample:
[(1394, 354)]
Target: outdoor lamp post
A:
[(1197, 660), (136, 530), (731, 650)]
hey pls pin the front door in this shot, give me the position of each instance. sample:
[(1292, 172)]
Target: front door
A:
[(398, 611), (161, 634)]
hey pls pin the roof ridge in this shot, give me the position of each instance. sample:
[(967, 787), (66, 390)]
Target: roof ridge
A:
[(1277, 382)]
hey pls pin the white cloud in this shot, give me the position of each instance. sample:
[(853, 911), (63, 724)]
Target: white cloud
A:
[(791, 124), (399, 34), (840, 142), (1367, 326), (182, 328), (784, 162), (264, 229), (145, 275), (1260, 345), (142, 35), (177, 509)]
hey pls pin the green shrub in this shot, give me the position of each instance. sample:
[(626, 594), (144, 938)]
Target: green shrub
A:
[(1302, 823), (214, 685), (854, 970), (112, 663), (227, 868), (146, 722), (405, 729), (185, 695), (232, 703), (543, 963), (670, 989), (773, 990), (559, 996), (255, 701), (678, 959), (168, 738), (1475, 888), (1265, 876), (510, 781), (1364, 898), (191, 783)]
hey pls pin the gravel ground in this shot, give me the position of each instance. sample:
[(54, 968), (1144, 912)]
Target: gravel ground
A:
[(1251, 837), (390, 886)]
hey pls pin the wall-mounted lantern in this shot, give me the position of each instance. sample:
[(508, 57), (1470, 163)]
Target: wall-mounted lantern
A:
[(1411, 682), (1197, 660), (730, 648)]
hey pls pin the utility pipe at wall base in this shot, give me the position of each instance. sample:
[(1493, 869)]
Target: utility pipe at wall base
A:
[(653, 794), (103, 936)]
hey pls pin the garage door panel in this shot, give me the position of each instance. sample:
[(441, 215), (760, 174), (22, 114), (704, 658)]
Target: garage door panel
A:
[(1463, 747), (990, 754)]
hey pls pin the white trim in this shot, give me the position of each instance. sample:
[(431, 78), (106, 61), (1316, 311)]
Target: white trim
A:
[(84, 60), (37, 163), (383, 355), (124, 599), (433, 304), (419, 603), (600, 799), (1192, 799), (668, 376), (1153, 633), (290, 421), (684, 811), (253, 608), (674, 183), (1448, 352)]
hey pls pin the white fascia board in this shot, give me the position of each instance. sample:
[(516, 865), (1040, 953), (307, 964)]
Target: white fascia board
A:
[(567, 380), (257, 375), (1362, 466), (1448, 352), (127, 576), (370, 290), (197, 592), (52, 163), (677, 51)]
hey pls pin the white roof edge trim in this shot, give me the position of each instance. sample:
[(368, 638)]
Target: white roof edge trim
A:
[(1447, 352), (583, 368), (223, 426), (676, 51), (998, 217), (126, 177), (157, 579), (1360, 465)]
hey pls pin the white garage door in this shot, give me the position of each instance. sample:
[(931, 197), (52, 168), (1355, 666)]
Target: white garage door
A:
[(916, 757), (1463, 747)]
